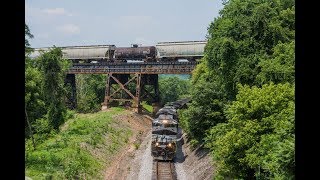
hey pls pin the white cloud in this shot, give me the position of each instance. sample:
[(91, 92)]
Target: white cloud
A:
[(55, 11), (69, 29), (48, 16)]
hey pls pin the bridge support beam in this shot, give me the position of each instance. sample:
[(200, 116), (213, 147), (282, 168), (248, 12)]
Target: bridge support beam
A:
[(130, 90), (72, 97)]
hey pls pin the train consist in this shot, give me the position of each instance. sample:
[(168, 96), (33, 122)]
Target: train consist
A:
[(162, 51), (166, 131)]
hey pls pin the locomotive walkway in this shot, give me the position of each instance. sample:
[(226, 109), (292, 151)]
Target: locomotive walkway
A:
[(133, 68)]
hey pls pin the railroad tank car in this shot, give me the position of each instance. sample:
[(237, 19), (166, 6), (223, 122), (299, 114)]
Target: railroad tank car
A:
[(143, 53), (172, 51)]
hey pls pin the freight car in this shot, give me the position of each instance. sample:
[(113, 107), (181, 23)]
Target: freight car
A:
[(145, 53), (172, 51), (100, 53)]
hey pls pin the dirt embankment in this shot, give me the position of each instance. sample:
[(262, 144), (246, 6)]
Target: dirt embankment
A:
[(134, 162), (140, 126), (197, 163)]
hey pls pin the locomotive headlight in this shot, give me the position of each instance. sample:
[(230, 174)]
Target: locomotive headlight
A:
[(169, 144), (157, 144)]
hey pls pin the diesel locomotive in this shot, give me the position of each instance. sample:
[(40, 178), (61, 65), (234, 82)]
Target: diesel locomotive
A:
[(164, 134), (166, 131)]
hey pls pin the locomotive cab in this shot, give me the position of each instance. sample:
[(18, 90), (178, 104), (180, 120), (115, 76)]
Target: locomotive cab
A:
[(163, 147)]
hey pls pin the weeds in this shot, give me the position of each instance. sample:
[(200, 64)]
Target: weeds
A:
[(60, 156)]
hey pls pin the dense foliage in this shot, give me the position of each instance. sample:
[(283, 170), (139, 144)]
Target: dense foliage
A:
[(53, 69), (44, 91), (246, 36), (90, 92), (172, 88), (258, 138), (81, 150), (205, 110), (243, 91)]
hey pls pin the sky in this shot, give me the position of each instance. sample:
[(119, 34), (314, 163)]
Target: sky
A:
[(118, 22)]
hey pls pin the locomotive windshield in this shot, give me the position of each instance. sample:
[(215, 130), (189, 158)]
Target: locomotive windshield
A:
[(164, 132), (164, 125), (163, 116), (169, 125)]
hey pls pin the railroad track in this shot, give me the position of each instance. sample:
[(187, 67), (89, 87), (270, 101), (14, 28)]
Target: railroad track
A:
[(163, 170)]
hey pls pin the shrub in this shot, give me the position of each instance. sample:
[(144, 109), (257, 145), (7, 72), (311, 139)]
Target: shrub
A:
[(258, 139)]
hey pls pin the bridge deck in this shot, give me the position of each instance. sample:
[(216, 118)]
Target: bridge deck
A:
[(132, 68)]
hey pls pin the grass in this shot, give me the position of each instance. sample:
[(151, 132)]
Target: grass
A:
[(81, 150), (136, 145), (148, 107)]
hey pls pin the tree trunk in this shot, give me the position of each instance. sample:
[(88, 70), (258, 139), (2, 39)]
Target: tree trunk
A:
[(34, 145)]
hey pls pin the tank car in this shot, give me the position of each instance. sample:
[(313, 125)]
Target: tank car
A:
[(172, 51), (164, 137), (144, 53)]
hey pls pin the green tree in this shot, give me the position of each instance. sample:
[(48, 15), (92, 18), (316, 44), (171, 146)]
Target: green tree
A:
[(172, 88), (54, 68), (198, 119), (250, 43), (206, 108), (34, 97), (27, 35), (279, 67), (246, 33), (90, 92), (33, 101), (258, 139)]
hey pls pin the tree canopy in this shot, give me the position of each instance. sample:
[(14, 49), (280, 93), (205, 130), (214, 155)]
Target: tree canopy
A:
[(258, 138), (248, 33), (243, 91), (172, 88)]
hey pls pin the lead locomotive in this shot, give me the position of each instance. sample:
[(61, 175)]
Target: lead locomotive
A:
[(166, 131)]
